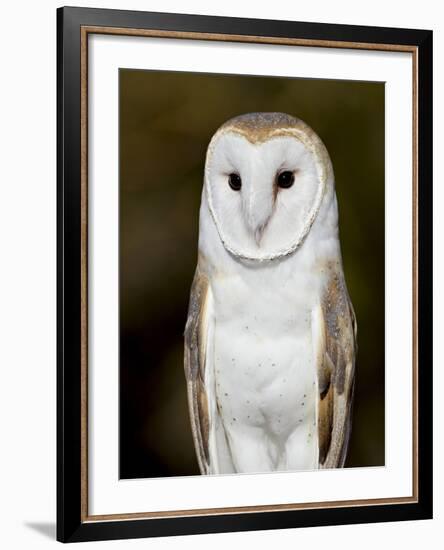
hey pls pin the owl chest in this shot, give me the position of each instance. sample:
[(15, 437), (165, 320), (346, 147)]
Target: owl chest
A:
[(264, 372)]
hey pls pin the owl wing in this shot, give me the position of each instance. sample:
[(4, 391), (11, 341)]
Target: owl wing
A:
[(196, 343), (335, 347)]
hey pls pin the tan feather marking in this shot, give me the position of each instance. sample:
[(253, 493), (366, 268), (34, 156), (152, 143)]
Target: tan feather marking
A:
[(259, 127), (335, 370), (195, 357), (204, 420), (325, 422)]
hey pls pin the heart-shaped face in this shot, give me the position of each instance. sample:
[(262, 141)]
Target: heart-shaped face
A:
[(265, 178)]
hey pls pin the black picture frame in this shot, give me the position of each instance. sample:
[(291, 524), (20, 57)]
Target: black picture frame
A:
[(71, 522)]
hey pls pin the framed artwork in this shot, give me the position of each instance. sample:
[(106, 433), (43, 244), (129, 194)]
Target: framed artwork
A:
[(244, 274)]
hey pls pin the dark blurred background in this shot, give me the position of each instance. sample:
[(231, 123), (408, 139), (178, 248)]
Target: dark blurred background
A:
[(166, 122)]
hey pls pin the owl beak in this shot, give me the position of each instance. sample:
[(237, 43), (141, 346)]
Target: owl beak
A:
[(258, 233), (257, 218)]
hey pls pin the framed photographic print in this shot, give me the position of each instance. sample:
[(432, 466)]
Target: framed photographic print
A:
[(244, 274)]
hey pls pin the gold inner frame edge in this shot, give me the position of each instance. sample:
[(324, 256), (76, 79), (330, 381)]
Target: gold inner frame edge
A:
[(153, 33)]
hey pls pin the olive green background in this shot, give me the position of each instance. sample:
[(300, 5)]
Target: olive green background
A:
[(166, 122)]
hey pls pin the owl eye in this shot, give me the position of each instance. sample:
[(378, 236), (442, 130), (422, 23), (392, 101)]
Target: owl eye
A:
[(285, 179), (235, 182)]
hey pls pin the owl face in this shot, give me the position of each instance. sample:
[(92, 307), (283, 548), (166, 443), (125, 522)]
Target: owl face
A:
[(263, 194)]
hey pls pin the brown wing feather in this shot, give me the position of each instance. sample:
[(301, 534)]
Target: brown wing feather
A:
[(195, 348), (336, 369)]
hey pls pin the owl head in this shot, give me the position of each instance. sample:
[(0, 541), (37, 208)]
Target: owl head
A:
[(266, 177)]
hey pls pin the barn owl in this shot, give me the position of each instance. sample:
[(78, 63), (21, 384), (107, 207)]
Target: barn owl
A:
[(270, 339)]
